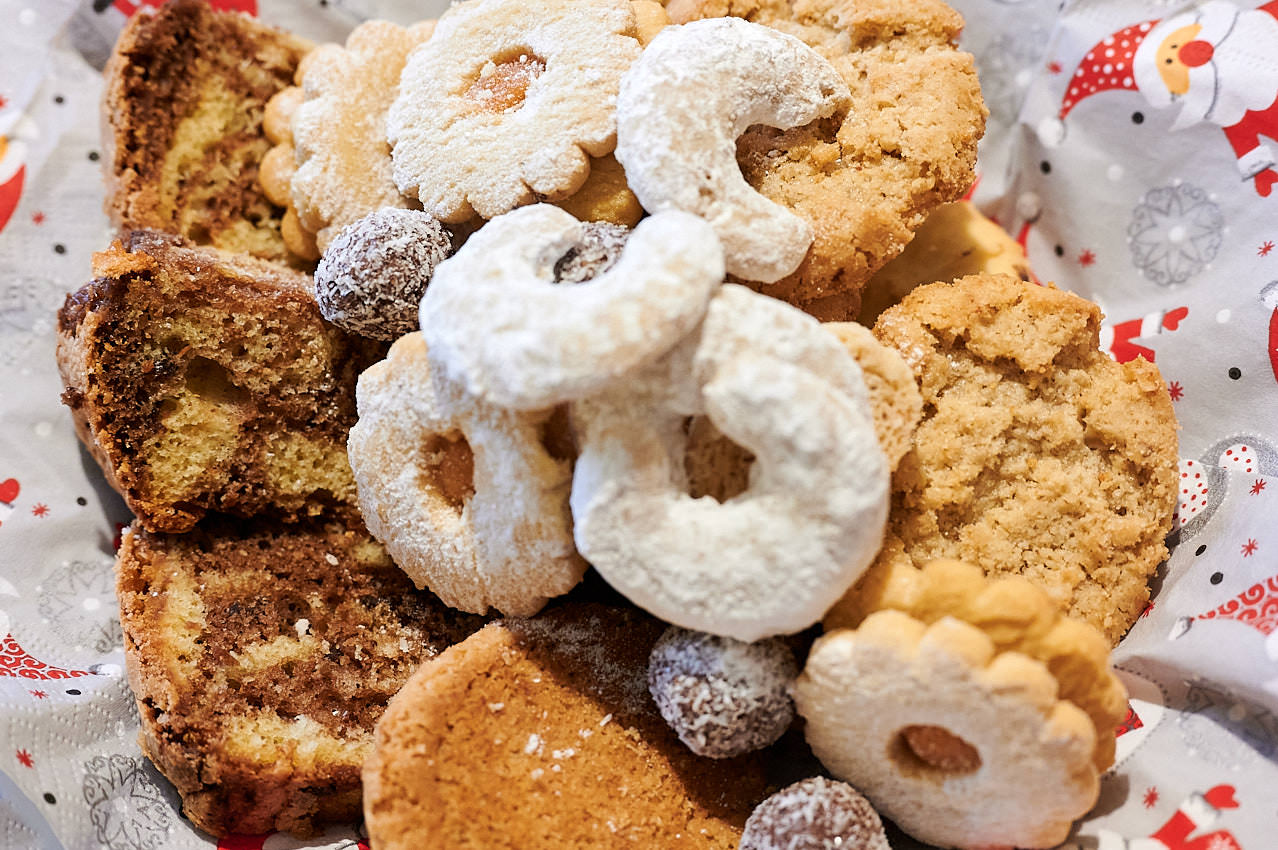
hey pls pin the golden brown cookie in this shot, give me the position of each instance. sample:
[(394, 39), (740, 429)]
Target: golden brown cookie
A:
[(1037, 455), (954, 241), (541, 733), (867, 177), (1016, 616)]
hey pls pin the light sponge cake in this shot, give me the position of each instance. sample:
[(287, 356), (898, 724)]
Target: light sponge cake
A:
[(261, 656), (186, 89), (205, 382)]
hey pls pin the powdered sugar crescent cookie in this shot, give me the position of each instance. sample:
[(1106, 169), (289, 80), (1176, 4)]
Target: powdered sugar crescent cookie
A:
[(507, 102), (773, 559), (540, 734), (681, 108), (718, 467), (866, 177), (339, 130), (1016, 615), (959, 744), (499, 325), (471, 503), (1038, 455)]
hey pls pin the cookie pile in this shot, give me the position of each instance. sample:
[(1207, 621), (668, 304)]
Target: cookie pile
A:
[(600, 235)]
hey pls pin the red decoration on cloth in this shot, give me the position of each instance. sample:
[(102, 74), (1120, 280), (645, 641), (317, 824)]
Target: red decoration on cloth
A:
[(1117, 339), (1257, 606), (1108, 65), (10, 193), (129, 7), (1195, 53), (1197, 811), (1131, 722), (16, 662)]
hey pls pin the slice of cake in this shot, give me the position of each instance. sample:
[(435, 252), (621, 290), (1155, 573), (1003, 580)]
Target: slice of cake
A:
[(203, 381), (261, 656), (185, 93)]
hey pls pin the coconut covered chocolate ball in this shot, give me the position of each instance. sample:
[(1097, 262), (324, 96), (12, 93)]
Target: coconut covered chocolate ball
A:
[(597, 251), (815, 814), (722, 697), (371, 279)]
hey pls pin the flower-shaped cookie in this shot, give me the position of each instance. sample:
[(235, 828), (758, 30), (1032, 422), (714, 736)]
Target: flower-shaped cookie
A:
[(339, 130), (507, 102)]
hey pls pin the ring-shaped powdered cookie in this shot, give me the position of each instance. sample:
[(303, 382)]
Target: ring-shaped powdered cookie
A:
[(772, 559), (865, 178), (959, 745), (498, 324), (339, 130), (683, 104), (506, 102), (471, 504)]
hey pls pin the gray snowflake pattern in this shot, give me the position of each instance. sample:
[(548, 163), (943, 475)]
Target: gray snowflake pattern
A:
[(1175, 231), (125, 806), (78, 601), (1006, 67)]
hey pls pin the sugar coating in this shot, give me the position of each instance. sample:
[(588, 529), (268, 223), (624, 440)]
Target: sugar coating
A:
[(681, 107), (814, 814), (722, 697), (461, 159), (597, 250), (499, 326), (465, 496), (863, 691), (371, 279), (771, 560)]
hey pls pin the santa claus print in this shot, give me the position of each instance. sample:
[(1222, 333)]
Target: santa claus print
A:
[(13, 161), (1189, 828), (1217, 63)]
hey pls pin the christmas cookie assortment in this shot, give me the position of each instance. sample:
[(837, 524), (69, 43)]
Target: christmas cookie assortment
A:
[(599, 236)]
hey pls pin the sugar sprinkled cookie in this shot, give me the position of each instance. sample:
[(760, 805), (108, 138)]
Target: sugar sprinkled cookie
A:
[(540, 733)]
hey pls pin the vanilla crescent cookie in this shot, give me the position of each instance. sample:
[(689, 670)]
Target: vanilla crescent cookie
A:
[(866, 177), (498, 323), (718, 467), (473, 503), (1038, 455), (507, 101), (773, 559), (960, 745), (1016, 615), (681, 108), (339, 130)]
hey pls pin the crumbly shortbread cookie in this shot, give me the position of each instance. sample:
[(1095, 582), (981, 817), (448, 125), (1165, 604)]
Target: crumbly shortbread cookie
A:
[(339, 130), (469, 499), (500, 325), (773, 559), (683, 104), (954, 241), (1016, 615), (540, 734), (507, 101), (261, 654), (867, 177), (1037, 455), (960, 745)]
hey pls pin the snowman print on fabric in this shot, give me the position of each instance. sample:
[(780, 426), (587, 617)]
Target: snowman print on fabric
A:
[(1217, 64)]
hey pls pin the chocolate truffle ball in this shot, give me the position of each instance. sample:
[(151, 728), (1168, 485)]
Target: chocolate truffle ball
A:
[(722, 697), (371, 279), (815, 814)]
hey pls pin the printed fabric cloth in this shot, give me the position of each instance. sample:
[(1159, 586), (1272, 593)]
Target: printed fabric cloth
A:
[(1140, 176)]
